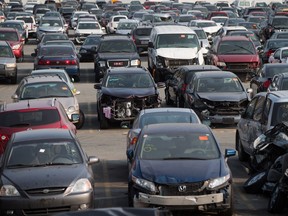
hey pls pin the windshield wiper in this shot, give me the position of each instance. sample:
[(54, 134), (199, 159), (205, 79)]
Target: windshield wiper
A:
[(21, 165)]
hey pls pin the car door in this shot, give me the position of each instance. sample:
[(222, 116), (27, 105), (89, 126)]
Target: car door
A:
[(250, 125)]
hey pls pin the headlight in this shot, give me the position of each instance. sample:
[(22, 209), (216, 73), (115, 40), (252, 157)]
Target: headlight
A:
[(150, 186), (260, 139), (71, 109), (17, 46), (214, 183), (11, 65), (81, 186), (102, 63), (221, 64), (135, 62), (9, 190)]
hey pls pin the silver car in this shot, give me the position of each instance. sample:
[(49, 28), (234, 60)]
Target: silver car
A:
[(50, 25), (8, 66)]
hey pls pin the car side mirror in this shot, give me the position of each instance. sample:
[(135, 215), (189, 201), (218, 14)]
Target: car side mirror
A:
[(15, 97), (97, 86), (230, 152), (130, 154), (93, 160), (150, 44)]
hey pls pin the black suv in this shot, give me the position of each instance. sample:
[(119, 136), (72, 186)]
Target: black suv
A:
[(115, 51)]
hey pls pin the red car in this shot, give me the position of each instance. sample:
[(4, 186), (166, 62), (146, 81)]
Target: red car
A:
[(16, 42), (30, 115), (236, 54)]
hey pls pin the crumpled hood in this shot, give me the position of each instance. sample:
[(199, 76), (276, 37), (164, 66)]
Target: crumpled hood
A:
[(128, 92), (43, 177), (238, 58), (225, 96), (178, 53), (163, 171), (211, 29)]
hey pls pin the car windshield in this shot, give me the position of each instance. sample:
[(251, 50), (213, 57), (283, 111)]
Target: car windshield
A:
[(143, 31), (280, 113), (92, 41), (236, 48), (177, 41), (167, 117), (56, 51), (206, 24), (29, 117), (172, 146), (117, 46), (88, 25), (218, 84), (45, 90), (129, 80), (9, 36), (6, 52), (123, 25), (51, 23), (219, 19), (45, 153)]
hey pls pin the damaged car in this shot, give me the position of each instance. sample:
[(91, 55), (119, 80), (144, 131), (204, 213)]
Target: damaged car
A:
[(123, 93), (217, 97)]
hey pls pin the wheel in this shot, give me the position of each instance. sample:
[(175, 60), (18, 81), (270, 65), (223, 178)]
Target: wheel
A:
[(242, 155), (167, 98), (81, 121), (277, 200), (104, 124), (254, 184)]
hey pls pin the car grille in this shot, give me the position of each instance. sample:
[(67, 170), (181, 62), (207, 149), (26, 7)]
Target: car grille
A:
[(179, 62), (118, 63), (231, 66), (46, 191), (46, 211), (173, 190)]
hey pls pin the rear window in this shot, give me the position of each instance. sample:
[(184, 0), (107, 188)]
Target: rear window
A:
[(143, 32), (56, 51), (25, 19), (29, 117)]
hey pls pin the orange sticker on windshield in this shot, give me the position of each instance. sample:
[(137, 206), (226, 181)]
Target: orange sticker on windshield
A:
[(203, 138)]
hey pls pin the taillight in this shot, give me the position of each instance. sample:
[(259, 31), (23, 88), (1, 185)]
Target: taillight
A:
[(269, 52), (133, 141), (266, 83), (70, 62), (183, 88), (43, 62)]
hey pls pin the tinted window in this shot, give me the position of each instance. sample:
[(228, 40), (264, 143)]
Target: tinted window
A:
[(143, 31), (277, 44), (51, 37), (250, 108), (284, 85), (117, 46), (280, 113), (29, 117), (271, 71), (88, 26), (201, 34), (56, 51), (92, 41), (26, 19)]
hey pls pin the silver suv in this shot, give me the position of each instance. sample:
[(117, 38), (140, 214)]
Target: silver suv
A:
[(263, 112), (50, 86)]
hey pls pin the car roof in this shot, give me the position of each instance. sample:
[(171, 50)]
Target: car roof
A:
[(42, 134), (173, 29), (28, 104), (127, 70), (226, 74), (176, 128), (43, 78)]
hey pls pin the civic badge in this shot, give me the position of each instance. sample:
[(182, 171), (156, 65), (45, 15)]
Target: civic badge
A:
[(182, 188)]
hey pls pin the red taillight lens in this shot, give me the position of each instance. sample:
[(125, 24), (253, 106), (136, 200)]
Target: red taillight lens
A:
[(70, 62), (43, 62), (269, 52), (266, 83), (134, 141)]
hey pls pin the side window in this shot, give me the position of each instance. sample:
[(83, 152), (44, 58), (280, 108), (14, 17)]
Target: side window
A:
[(259, 109), (193, 83), (250, 108), (266, 111)]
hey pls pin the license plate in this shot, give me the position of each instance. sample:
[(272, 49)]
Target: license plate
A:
[(118, 64)]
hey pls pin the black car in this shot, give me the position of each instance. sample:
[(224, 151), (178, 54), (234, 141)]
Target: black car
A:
[(180, 166), (123, 93), (89, 47), (45, 170), (176, 84), (262, 79), (270, 46), (115, 51), (217, 97), (141, 36)]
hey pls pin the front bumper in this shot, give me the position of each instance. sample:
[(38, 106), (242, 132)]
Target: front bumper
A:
[(44, 205), (180, 200), (8, 72)]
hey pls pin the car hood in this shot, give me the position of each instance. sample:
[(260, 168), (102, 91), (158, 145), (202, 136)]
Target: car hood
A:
[(238, 58), (129, 92), (51, 29), (178, 53), (119, 55), (42, 177), (163, 171), (225, 96)]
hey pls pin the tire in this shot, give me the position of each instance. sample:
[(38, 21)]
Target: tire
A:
[(130, 195), (277, 200), (242, 155), (253, 185), (81, 121), (104, 124)]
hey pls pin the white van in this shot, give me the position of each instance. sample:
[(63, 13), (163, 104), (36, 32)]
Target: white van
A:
[(171, 46)]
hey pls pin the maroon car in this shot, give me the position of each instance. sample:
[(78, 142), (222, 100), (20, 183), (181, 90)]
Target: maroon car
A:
[(30, 115), (236, 54)]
